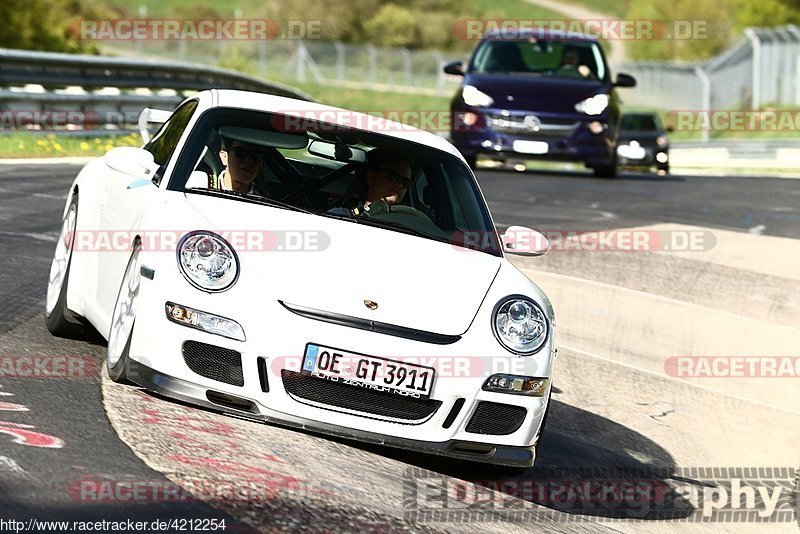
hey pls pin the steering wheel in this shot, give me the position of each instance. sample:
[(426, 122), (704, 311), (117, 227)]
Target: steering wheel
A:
[(382, 208)]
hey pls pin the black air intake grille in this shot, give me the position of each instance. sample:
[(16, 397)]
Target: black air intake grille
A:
[(388, 405), (496, 419), (216, 363)]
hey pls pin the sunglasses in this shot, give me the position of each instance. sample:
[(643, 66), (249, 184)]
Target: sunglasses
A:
[(397, 178), (245, 153)]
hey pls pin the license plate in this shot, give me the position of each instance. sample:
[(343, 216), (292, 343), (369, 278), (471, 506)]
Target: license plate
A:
[(531, 147), (368, 372), (631, 152)]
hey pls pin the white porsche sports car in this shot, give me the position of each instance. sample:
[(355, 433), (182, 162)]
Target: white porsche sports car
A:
[(304, 296)]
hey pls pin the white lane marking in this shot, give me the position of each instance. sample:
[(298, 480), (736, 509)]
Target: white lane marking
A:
[(54, 197), (675, 379), (649, 295), (50, 238), (9, 465), (758, 230)]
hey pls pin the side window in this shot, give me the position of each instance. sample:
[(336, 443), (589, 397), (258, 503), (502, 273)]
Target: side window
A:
[(163, 144)]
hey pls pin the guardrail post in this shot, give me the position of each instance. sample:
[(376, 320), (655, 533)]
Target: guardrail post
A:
[(706, 81), (373, 63), (340, 55), (142, 16), (262, 58), (301, 62), (440, 75), (756, 44), (406, 66)]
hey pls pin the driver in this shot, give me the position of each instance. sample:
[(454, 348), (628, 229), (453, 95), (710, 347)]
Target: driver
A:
[(388, 178), (571, 64)]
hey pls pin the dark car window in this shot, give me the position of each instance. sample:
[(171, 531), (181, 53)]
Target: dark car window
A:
[(164, 142), (562, 59), (645, 123)]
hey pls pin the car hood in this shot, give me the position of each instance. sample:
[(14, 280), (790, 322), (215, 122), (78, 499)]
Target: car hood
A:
[(535, 93), (333, 266)]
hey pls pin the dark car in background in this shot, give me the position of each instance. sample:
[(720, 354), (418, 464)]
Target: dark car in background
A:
[(643, 142), (538, 95)]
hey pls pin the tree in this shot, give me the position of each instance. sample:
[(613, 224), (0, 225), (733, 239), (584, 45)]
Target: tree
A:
[(41, 25)]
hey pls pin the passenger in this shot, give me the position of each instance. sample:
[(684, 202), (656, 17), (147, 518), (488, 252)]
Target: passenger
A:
[(242, 165)]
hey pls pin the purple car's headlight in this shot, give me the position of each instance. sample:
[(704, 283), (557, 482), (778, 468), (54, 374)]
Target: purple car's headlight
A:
[(520, 325), (207, 261)]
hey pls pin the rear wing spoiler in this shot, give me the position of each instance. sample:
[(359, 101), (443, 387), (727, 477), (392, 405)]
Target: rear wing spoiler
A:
[(151, 116)]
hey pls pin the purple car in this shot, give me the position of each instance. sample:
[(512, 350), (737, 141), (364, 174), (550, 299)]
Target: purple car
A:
[(538, 95)]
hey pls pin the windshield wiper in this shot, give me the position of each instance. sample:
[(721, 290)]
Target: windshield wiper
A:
[(256, 199)]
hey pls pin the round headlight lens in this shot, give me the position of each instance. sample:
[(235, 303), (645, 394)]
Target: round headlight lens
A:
[(520, 325), (207, 261)]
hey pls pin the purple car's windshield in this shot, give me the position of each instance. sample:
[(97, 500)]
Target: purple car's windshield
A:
[(563, 59)]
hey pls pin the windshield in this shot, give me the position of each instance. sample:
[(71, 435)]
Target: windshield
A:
[(331, 171), (561, 59), (639, 122)]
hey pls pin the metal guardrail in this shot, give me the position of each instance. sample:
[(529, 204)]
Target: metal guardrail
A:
[(60, 74)]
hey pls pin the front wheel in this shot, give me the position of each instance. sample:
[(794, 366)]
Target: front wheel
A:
[(122, 320), (59, 319)]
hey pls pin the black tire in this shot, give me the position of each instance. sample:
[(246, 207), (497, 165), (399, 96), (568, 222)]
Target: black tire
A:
[(61, 321), (607, 171), (119, 371)]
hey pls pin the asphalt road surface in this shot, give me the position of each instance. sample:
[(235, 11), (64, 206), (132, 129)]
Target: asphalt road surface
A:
[(621, 413)]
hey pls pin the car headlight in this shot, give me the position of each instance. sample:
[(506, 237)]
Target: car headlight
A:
[(594, 105), (661, 141), (473, 97), (520, 325), (207, 261)]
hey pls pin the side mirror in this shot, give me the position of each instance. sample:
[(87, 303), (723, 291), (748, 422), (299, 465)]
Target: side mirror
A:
[(132, 161), (670, 128), (455, 67), (524, 242), (625, 80)]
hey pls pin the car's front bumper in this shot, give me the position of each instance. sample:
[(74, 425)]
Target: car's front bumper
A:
[(647, 156), (186, 391), (561, 138), (274, 346)]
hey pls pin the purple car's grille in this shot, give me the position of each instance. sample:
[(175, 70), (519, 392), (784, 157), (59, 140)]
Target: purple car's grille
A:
[(379, 405), (530, 125), (216, 363), (496, 419)]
